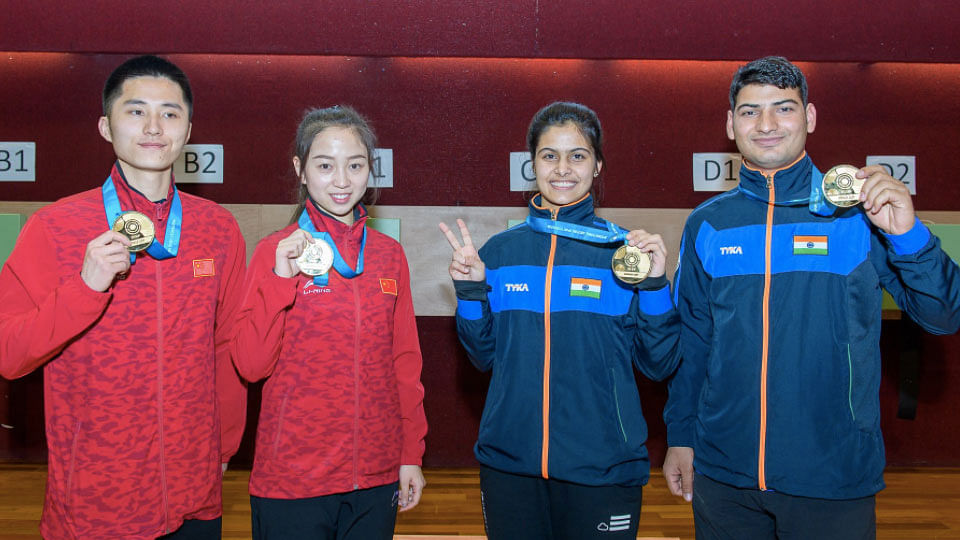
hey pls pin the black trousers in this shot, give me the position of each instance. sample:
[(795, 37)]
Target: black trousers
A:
[(534, 508), (196, 529), (364, 514), (723, 512)]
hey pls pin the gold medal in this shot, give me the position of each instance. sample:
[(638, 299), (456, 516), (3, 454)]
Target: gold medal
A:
[(630, 265), (316, 259), (137, 228), (841, 186)]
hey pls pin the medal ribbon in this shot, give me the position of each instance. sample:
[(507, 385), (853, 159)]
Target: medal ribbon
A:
[(614, 233), (339, 264), (818, 204), (171, 238)]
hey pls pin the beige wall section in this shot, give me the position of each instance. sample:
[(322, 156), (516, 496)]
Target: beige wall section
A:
[(428, 251)]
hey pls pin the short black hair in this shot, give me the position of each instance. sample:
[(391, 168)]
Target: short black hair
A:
[(773, 70), (145, 66)]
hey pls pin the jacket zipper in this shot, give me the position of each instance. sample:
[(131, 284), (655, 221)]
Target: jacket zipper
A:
[(160, 344), (356, 384), (761, 462), (545, 446)]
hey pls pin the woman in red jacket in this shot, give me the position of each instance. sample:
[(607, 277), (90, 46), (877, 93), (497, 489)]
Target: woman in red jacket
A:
[(340, 437)]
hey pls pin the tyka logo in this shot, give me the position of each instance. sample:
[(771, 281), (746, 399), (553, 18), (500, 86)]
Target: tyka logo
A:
[(731, 250), (516, 287)]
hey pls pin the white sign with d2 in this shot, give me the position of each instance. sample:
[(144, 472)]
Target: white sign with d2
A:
[(199, 164), (18, 162), (381, 168), (715, 171), (903, 168), (521, 172)]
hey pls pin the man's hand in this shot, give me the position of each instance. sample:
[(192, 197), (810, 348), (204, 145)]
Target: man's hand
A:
[(106, 256), (886, 200), (678, 470)]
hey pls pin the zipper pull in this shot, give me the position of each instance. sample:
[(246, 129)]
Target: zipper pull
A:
[(769, 181)]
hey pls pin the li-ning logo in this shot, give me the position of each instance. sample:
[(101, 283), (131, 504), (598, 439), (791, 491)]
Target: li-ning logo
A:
[(516, 287), (310, 288), (731, 250), (617, 523)]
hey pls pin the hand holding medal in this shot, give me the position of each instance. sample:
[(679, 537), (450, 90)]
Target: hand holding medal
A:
[(644, 255), (301, 252), (886, 200), (105, 258)]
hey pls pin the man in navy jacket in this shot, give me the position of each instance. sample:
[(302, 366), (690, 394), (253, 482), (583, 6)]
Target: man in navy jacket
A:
[(776, 402)]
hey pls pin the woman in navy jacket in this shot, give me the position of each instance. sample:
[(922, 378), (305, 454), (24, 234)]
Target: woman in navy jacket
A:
[(562, 436)]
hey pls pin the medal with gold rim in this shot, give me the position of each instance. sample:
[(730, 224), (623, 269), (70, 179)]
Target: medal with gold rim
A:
[(841, 186), (630, 265), (316, 259), (137, 228)]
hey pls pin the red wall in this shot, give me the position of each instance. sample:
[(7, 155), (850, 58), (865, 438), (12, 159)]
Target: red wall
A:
[(450, 86), (453, 121)]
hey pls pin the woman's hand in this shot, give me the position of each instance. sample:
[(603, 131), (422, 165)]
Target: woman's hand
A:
[(412, 483), (466, 264), (288, 250), (652, 245)]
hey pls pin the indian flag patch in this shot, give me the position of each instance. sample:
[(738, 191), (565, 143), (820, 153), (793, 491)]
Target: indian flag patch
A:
[(585, 287), (809, 245)]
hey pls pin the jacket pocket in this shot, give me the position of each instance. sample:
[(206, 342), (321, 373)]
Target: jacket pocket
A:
[(280, 418), (616, 404), (863, 389), (71, 468)]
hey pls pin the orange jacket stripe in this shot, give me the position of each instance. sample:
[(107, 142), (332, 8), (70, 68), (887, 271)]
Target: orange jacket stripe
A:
[(762, 453), (546, 360)]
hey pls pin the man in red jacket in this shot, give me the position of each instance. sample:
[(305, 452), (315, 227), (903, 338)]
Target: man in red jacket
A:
[(142, 403)]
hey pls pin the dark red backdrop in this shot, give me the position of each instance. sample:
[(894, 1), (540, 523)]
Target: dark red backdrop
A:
[(450, 86)]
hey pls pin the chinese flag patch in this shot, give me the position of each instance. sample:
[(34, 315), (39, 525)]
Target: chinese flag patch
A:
[(203, 268), (388, 286)]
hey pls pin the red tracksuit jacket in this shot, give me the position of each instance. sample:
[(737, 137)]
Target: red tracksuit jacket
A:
[(132, 376), (343, 407)]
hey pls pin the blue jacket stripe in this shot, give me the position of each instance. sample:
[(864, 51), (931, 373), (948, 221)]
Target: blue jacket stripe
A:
[(911, 241), (738, 251), (470, 310), (615, 297), (656, 302), (521, 288)]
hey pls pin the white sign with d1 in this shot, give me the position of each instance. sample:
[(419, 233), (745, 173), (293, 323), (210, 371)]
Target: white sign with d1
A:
[(521, 172), (18, 162), (903, 168), (199, 164), (381, 168), (715, 171)]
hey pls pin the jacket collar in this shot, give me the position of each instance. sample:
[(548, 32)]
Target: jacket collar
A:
[(339, 231), (790, 184), (576, 212), (131, 199)]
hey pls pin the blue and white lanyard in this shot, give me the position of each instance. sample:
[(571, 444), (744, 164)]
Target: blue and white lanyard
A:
[(171, 238)]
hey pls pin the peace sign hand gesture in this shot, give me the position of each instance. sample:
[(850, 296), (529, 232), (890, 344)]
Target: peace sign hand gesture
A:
[(466, 264)]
